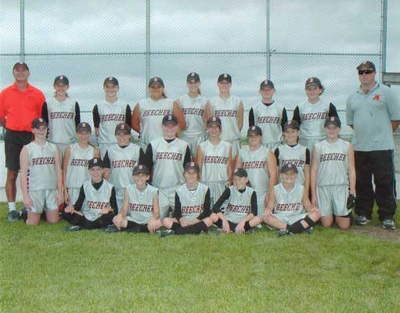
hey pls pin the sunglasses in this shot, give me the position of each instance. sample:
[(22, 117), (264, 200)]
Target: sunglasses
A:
[(362, 72)]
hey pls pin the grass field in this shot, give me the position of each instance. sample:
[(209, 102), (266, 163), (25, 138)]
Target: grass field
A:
[(44, 269)]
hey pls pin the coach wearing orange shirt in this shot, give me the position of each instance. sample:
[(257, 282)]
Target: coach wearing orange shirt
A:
[(20, 104)]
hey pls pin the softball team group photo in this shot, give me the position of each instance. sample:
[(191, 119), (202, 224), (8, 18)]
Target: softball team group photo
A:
[(189, 172)]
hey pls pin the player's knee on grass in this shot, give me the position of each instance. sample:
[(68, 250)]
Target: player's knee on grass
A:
[(167, 222), (343, 222), (53, 216), (33, 219), (327, 221)]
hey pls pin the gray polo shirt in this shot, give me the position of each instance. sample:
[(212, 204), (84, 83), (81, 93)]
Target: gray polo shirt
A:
[(371, 115)]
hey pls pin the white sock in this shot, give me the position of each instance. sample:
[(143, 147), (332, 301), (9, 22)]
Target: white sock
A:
[(11, 206)]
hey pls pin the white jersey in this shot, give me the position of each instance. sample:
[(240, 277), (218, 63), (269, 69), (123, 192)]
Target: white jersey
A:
[(96, 199), (227, 110), (332, 160), (295, 155), (256, 165), (192, 202), (151, 115), (193, 109), (168, 158), (215, 161), (77, 169), (61, 120), (239, 204), (140, 207), (42, 173), (313, 117), (289, 202), (269, 119), (122, 162), (111, 114)]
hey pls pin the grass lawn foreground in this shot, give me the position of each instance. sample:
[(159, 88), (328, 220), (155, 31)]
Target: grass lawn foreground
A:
[(43, 269)]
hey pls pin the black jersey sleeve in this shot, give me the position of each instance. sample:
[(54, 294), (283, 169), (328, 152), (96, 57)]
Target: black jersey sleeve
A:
[(332, 110), (142, 157), (253, 203), (79, 202), (96, 116), (308, 157), (178, 208), (296, 115), (284, 118), (77, 114), (277, 156), (225, 195), (207, 206), (45, 113), (113, 201), (148, 160), (251, 117), (187, 156), (128, 115), (106, 161)]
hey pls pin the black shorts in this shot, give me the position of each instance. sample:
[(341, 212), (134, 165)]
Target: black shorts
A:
[(232, 226), (14, 141), (133, 227)]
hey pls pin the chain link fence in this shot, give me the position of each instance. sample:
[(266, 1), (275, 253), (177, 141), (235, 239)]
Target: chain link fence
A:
[(287, 41)]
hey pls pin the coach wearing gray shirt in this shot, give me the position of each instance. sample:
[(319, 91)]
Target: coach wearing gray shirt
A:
[(373, 112)]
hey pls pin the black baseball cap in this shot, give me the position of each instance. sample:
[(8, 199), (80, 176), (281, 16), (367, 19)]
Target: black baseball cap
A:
[(241, 172), (314, 81), (225, 77), (83, 127), (254, 130), (95, 162), (111, 80), (23, 64), (214, 120), (141, 169), (169, 119), (192, 166), (156, 80), (293, 124), (289, 167), (267, 84), (122, 127), (193, 77), (37, 122), (61, 79), (366, 65), (333, 120)]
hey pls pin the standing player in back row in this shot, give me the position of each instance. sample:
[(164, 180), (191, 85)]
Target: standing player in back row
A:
[(62, 114), (269, 115), (193, 106), (148, 113), (312, 114), (230, 110), (108, 113)]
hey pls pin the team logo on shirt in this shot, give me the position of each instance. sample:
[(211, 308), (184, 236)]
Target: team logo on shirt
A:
[(314, 116), (294, 162), (80, 162), (44, 161), (292, 207), (192, 209), (254, 165), (123, 163), (97, 205), (112, 117), (62, 115), (216, 159), (135, 207), (268, 120), (239, 208), (376, 97), (193, 111), (226, 113), (169, 156), (332, 157), (159, 112)]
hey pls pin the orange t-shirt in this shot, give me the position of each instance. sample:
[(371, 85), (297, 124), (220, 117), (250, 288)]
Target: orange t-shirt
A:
[(20, 108)]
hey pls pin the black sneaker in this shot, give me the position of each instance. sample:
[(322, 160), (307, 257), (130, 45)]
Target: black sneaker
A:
[(167, 233), (308, 230), (388, 224), (13, 216), (362, 220), (111, 229), (72, 228), (23, 214), (282, 232)]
